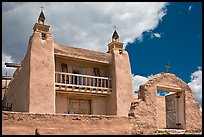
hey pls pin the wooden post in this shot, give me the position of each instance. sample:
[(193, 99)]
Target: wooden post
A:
[(69, 79), (60, 77)]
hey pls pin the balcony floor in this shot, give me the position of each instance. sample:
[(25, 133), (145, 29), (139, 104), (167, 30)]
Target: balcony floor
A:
[(68, 88)]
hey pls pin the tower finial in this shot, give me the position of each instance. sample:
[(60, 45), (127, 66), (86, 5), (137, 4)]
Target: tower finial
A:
[(41, 8), (115, 36), (115, 27), (40, 26), (42, 16)]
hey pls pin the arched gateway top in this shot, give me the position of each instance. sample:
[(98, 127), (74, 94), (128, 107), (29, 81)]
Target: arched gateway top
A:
[(167, 82), (170, 111), (178, 110)]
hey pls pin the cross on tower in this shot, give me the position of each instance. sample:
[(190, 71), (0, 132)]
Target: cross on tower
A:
[(115, 27), (41, 8), (167, 67)]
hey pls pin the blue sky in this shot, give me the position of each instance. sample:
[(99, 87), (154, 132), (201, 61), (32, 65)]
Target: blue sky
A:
[(180, 43)]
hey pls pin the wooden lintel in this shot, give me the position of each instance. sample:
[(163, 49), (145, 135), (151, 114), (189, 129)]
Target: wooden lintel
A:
[(81, 93), (169, 89), (12, 65), (7, 77)]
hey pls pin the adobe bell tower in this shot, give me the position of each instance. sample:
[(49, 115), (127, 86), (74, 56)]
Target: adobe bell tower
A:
[(119, 101), (115, 44), (42, 68), (40, 26)]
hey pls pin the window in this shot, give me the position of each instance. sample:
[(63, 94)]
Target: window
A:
[(120, 52), (43, 36)]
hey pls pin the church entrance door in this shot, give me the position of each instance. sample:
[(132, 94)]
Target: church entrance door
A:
[(80, 106)]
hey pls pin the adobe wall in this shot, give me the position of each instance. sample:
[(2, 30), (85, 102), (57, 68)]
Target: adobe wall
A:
[(161, 112), (121, 97), (98, 103), (42, 84), (111, 106), (18, 91), (148, 105), (145, 109), (193, 114), (98, 106), (16, 123)]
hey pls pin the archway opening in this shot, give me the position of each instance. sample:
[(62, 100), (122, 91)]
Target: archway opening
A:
[(163, 93), (170, 108)]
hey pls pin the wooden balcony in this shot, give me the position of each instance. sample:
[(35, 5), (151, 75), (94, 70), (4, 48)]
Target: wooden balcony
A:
[(77, 83)]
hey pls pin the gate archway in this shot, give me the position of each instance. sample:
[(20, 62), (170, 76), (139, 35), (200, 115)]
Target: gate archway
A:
[(174, 104), (174, 108)]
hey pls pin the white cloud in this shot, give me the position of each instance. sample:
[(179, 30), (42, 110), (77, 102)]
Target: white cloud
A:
[(157, 35), (140, 38), (153, 35), (7, 59), (190, 7), (169, 93), (80, 24), (196, 85), (139, 80), (97, 23)]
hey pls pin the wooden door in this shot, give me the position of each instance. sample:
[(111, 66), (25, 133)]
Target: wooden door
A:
[(85, 107), (74, 106), (171, 111), (80, 106)]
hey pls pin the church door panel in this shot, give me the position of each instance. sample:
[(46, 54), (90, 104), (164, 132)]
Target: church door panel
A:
[(85, 107), (171, 111), (80, 106), (74, 106)]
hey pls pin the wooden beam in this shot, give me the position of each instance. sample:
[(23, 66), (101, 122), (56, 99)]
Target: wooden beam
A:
[(7, 77), (169, 89), (12, 65)]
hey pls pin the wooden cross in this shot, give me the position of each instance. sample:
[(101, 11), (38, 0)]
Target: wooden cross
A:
[(41, 8), (167, 66), (115, 27)]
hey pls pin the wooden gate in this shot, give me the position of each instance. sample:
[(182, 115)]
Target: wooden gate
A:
[(171, 111)]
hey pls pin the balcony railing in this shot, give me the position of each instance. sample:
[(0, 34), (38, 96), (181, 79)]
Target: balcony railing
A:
[(79, 82)]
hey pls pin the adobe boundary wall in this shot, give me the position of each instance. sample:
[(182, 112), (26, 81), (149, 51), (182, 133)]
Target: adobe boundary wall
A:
[(21, 123)]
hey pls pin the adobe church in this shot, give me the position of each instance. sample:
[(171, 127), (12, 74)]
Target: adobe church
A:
[(55, 78)]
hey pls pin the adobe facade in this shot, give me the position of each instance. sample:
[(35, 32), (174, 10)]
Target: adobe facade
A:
[(55, 78)]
